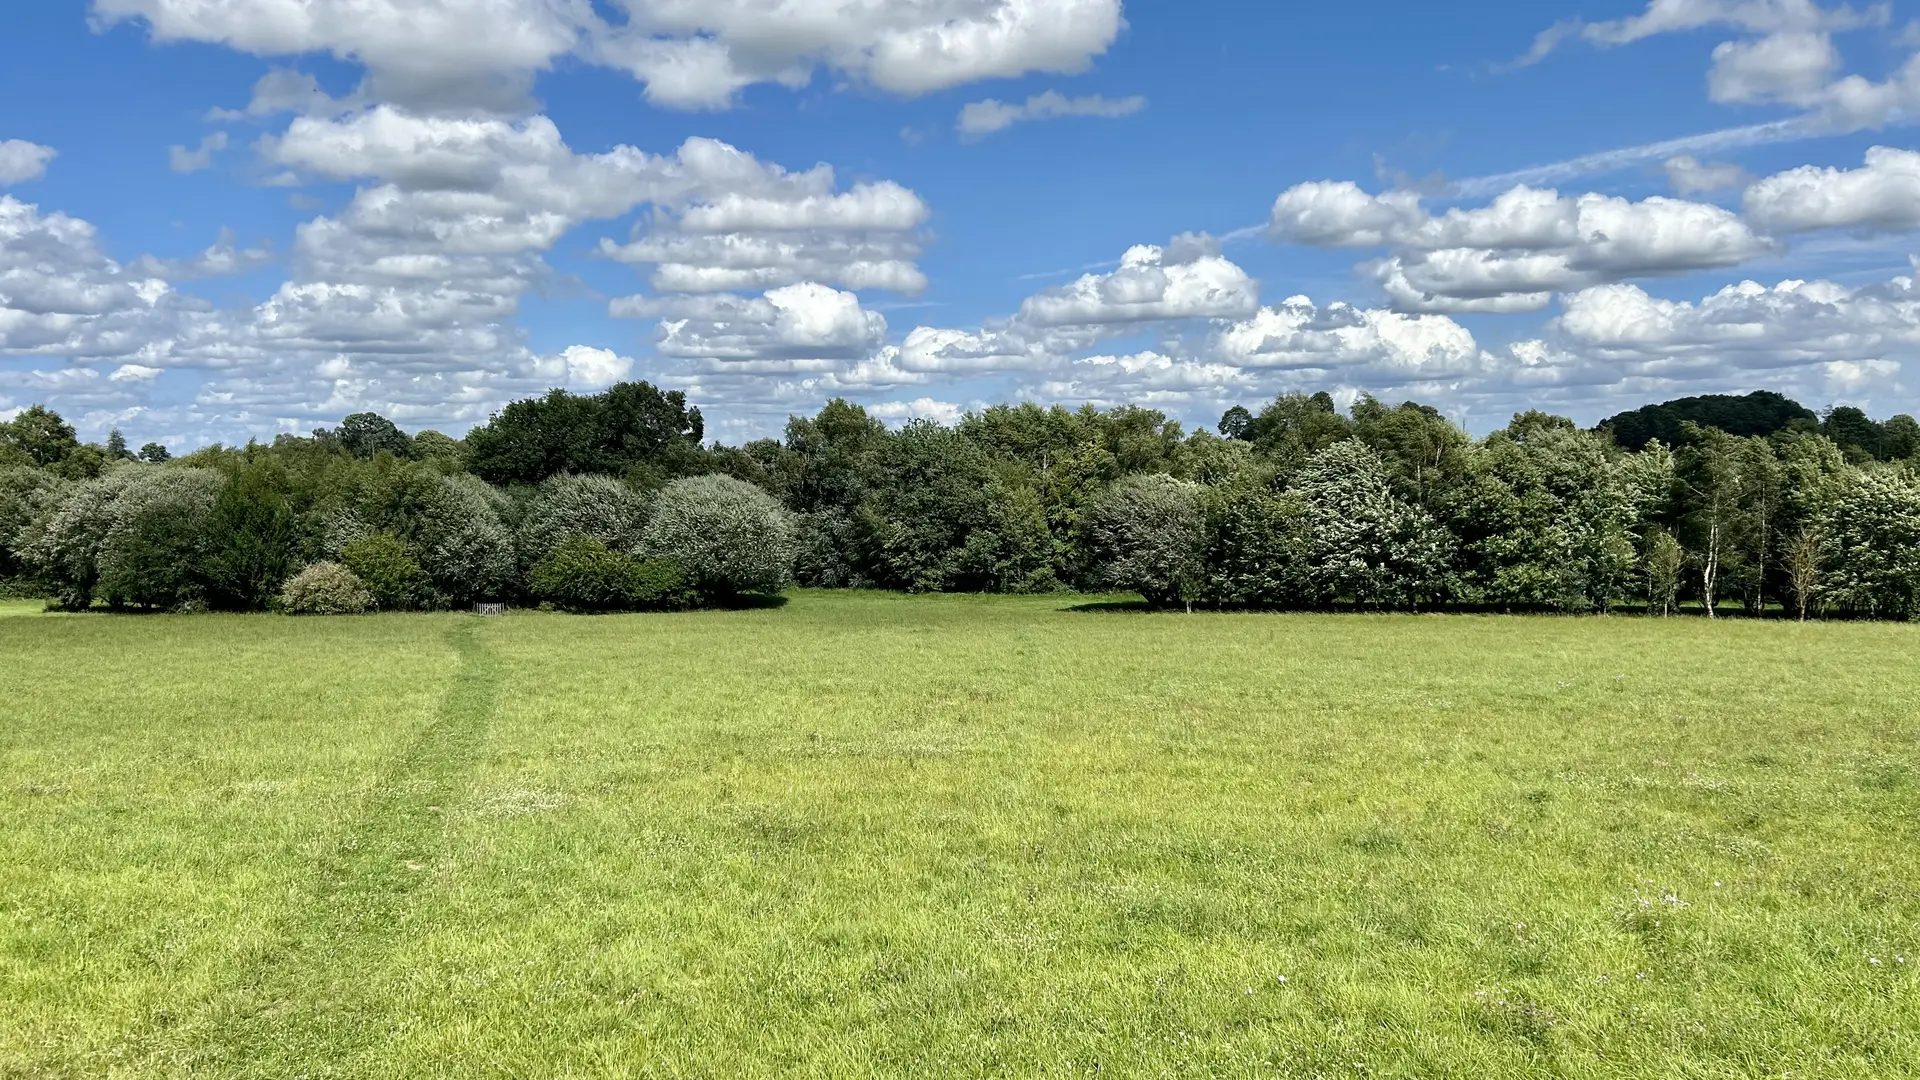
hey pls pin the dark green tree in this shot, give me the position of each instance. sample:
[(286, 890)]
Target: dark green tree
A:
[(252, 538), (632, 428), (41, 435), (1760, 413)]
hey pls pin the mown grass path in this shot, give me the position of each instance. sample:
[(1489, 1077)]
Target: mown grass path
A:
[(298, 1010)]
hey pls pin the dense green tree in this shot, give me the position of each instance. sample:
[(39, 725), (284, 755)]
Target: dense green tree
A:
[(584, 575), (1235, 423), (156, 545), (392, 576), (632, 428), (927, 521), (253, 538), (1295, 427), (1854, 432), (464, 542), (61, 547), (40, 435), (1148, 534), (1425, 454), (1873, 529), (448, 453), (117, 446), (367, 435), (1548, 518), (1258, 549), (154, 453), (1760, 413), (1363, 543)]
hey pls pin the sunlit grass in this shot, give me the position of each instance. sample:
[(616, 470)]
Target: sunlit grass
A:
[(873, 835)]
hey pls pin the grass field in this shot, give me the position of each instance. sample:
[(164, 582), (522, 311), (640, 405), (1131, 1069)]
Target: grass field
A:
[(867, 835)]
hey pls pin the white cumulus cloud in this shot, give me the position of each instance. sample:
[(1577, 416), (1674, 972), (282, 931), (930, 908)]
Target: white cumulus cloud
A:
[(1883, 194), (21, 161), (1514, 253), (465, 54)]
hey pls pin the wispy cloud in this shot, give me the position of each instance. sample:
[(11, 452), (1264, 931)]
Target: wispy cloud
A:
[(1626, 157), (983, 118)]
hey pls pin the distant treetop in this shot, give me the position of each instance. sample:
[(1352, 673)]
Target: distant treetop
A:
[(1762, 413)]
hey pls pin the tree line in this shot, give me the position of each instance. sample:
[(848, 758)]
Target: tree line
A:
[(1722, 505)]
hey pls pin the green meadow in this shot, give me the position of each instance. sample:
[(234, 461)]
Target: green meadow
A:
[(868, 835)]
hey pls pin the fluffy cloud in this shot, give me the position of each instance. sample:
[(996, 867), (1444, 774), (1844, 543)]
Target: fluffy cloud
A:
[(1190, 281), (699, 54), (423, 53), (1884, 194), (1513, 254), (1747, 326), (21, 161), (404, 300), (986, 117), (924, 408), (1297, 335), (1787, 57), (463, 54), (60, 294), (799, 327), (283, 90), (1787, 67), (588, 368), (770, 227)]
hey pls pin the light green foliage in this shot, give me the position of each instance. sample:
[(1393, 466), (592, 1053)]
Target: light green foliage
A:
[(463, 541), (1149, 534), (567, 506), (61, 547), (584, 575), (25, 494), (731, 537), (1873, 528), (876, 836), (1664, 562), (392, 577), (1362, 543), (326, 588)]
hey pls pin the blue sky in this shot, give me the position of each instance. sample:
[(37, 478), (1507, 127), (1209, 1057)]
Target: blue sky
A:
[(228, 218)]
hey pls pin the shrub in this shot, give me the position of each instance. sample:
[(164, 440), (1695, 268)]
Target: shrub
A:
[(584, 575), (61, 547), (1149, 534), (463, 540), (26, 493), (152, 554), (731, 537), (325, 589), (568, 506), (392, 577)]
